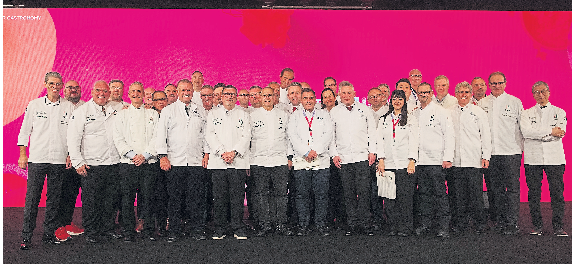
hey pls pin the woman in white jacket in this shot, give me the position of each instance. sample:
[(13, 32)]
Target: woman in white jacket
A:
[(397, 146)]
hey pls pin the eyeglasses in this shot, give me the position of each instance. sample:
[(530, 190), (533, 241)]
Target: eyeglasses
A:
[(73, 87), (229, 94), (424, 92), (207, 95), (415, 75), (267, 95), (243, 95), (496, 83), (374, 96), (116, 87), (56, 84), (330, 85), (254, 94), (463, 92), (159, 99), (545, 91)]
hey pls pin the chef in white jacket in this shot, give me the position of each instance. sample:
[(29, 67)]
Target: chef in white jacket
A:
[(436, 152), (472, 152), (354, 151), (543, 127), (397, 151), (134, 139), (311, 133), (182, 152), (228, 136), (94, 156), (268, 162), (503, 111)]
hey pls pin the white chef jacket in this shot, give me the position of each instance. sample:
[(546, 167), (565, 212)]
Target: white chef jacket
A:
[(283, 96), (90, 135), (354, 132), (399, 149), (472, 136), (79, 103), (269, 143), (504, 113), (197, 98), (381, 111), (135, 132), (413, 102), (45, 127), (540, 148), (227, 131), (436, 135), (447, 102), (181, 136), (117, 105), (322, 135)]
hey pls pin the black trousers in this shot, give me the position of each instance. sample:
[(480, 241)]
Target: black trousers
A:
[(138, 180), (433, 200), (271, 193), (71, 183), (376, 200), (504, 175), (357, 192), (188, 183), (467, 196), (161, 200), (336, 203), (98, 211), (555, 177), (37, 173), (228, 194), (400, 210)]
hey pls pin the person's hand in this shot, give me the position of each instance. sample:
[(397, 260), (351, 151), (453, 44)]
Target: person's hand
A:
[(228, 157), (381, 166), (205, 160), (23, 162), (165, 163), (371, 158), (82, 170), (485, 164), (557, 132), (337, 162), (138, 159), (290, 165), (447, 164), (411, 167)]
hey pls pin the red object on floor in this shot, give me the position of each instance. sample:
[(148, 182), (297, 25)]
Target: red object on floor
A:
[(73, 230), (61, 234)]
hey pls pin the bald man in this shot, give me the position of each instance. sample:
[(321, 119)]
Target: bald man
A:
[(149, 97)]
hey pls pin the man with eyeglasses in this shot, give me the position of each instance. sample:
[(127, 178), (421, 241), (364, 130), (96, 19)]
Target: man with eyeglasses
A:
[(183, 155), (354, 151), (159, 101), (504, 111), (269, 164), (228, 134), (44, 128), (286, 78), (472, 152), (161, 199), (95, 158), (217, 94), (72, 181), (543, 127), (134, 139), (198, 81), (442, 96), (243, 95), (171, 92), (255, 98), (436, 152), (479, 89), (116, 97), (207, 97), (415, 78), (148, 102), (377, 98)]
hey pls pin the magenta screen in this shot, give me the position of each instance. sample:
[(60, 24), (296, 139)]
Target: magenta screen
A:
[(250, 47)]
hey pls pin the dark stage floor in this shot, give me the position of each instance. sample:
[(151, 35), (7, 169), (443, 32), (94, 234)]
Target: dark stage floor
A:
[(466, 248)]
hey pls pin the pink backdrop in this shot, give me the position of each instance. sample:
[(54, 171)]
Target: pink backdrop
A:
[(250, 47)]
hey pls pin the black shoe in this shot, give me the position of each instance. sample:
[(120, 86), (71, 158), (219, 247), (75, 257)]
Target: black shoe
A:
[(302, 231), (559, 232), (283, 230), (264, 231), (444, 233), (481, 229), (350, 231), (218, 234), (91, 240), (368, 231), (392, 233), (50, 239), (240, 234), (172, 239), (129, 238), (511, 230), (26, 244), (403, 234), (537, 231), (113, 235), (200, 235), (421, 230), (323, 231)]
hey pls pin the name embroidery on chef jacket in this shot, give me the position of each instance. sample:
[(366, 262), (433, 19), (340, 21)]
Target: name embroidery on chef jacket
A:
[(431, 121), (217, 121), (508, 112), (240, 123), (258, 124), (281, 123), (41, 114)]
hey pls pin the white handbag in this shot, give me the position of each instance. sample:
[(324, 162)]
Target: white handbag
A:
[(386, 184)]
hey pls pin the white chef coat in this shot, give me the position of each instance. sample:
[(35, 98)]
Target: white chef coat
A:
[(118, 105), (79, 103), (90, 135), (447, 102), (283, 96), (413, 102), (540, 148), (197, 98), (354, 132), (227, 131), (472, 136), (399, 149), (321, 139), (269, 143), (45, 127), (504, 113), (181, 136), (436, 135), (381, 111), (135, 132)]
